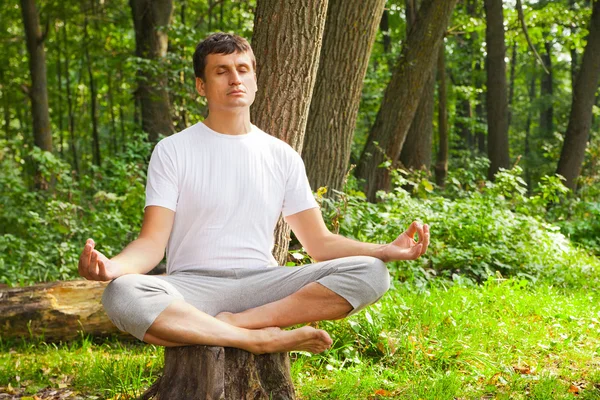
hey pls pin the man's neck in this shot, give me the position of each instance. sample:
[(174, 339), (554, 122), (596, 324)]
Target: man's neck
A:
[(229, 123)]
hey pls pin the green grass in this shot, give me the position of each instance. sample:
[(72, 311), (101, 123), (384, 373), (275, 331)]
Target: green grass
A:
[(504, 339)]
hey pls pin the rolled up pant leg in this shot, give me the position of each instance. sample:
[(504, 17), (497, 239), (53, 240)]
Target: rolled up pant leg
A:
[(361, 280), (132, 302)]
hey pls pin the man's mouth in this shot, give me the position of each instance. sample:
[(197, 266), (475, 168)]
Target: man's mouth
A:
[(236, 91)]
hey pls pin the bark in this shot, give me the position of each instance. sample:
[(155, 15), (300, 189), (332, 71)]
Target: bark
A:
[(416, 151), (151, 44), (6, 103), (465, 115), (547, 92), (70, 101), (511, 86), (403, 94), (338, 88), (384, 27), (38, 93), (580, 119), (55, 311), (93, 97), (59, 99), (209, 372), (480, 113), (441, 166), (286, 43), (528, 132), (496, 101)]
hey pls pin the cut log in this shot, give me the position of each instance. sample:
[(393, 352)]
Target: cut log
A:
[(55, 311), (208, 372)]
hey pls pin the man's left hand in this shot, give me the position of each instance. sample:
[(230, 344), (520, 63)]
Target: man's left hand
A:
[(405, 247)]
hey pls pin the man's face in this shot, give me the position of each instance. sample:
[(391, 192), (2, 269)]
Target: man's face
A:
[(230, 81)]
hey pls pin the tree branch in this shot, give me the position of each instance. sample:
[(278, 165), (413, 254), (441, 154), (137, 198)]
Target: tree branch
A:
[(524, 26)]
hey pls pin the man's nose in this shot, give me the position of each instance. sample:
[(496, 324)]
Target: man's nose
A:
[(235, 78)]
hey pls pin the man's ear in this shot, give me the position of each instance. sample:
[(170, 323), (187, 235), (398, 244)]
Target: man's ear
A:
[(200, 87)]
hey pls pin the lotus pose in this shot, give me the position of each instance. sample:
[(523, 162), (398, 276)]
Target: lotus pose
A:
[(213, 197)]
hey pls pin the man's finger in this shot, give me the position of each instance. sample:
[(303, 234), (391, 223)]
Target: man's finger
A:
[(102, 270), (412, 229), (420, 231), (426, 238), (93, 267), (416, 251)]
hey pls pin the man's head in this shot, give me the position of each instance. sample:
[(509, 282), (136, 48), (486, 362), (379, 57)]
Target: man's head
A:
[(225, 70), (220, 43)]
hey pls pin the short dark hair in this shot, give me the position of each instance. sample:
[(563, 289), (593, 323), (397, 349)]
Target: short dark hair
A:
[(219, 43)]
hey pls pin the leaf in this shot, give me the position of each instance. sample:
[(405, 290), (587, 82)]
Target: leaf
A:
[(573, 389), (382, 392), (522, 370)]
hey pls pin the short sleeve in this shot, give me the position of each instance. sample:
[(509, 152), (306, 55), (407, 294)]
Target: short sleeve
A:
[(298, 196), (161, 186)]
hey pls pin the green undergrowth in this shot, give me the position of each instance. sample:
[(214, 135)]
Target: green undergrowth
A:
[(501, 339)]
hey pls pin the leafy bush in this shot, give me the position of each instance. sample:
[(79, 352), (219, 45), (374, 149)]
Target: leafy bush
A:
[(43, 232), (495, 229)]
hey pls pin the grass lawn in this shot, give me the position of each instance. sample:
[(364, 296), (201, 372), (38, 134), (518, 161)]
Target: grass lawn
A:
[(503, 339)]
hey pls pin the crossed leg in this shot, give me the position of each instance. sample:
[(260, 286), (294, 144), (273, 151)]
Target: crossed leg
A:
[(313, 302)]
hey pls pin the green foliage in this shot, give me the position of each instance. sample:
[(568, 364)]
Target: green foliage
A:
[(43, 232), (489, 229)]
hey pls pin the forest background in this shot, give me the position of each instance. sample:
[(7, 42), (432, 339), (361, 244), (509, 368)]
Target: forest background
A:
[(481, 118)]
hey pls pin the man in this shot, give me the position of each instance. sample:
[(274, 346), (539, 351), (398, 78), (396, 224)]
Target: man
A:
[(213, 197)]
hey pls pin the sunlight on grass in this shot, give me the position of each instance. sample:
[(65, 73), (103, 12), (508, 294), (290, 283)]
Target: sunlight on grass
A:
[(504, 339)]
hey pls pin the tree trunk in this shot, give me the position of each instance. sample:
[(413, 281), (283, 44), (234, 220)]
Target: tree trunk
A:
[(70, 102), (286, 30), (151, 44), (38, 92), (338, 87), (384, 27), (403, 94), (55, 311), (511, 86), (416, 151), (496, 102), (93, 97), (6, 103), (441, 166), (580, 119), (547, 93), (209, 372), (528, 131)]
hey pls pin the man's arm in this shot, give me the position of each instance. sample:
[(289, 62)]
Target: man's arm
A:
[(322, 245), (139, 257)]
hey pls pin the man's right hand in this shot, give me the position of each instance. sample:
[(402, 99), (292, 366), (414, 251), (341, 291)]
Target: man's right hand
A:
[(95, 266)]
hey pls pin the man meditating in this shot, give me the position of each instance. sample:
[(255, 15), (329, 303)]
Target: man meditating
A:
[(213, 197)]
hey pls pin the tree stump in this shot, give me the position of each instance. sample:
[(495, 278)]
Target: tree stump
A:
[(209, 372)]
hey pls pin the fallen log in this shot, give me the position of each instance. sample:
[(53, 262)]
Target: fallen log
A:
[(209, 372), (55, 311)]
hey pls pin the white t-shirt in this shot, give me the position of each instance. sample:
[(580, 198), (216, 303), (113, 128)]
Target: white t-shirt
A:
[(227, 192)]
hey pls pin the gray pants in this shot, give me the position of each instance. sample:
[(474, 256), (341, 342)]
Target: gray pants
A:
[(133, 302)]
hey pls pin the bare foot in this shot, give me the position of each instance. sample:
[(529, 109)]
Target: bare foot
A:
[(304, 339)]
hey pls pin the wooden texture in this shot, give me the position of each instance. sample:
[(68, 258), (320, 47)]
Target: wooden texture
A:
[(38, 92), (403, 94), (209, 372), (336, 98), (497, 92), (580, 119), (151, 44), (55, 311), (286, 43)]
